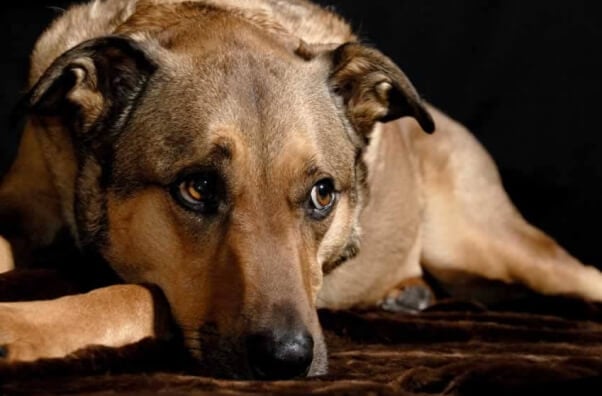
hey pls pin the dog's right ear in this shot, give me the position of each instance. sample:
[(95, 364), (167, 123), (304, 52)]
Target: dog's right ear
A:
[(374, 89), (91, 87)]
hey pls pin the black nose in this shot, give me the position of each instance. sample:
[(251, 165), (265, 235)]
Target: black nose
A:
[(274, 356)]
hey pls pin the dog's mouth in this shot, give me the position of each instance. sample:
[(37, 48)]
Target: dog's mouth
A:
[(266, 355)]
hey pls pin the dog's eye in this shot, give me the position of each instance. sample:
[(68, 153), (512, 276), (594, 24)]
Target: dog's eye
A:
[(198, 192), (323, 197)]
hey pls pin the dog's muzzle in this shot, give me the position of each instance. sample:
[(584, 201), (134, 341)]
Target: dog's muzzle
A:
[(277, 355)]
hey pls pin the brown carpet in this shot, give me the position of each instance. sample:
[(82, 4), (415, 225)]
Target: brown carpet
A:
[(534, 346)]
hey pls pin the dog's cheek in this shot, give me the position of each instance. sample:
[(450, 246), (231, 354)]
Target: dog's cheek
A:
[(147, 245), (343, 231), (139, 237)]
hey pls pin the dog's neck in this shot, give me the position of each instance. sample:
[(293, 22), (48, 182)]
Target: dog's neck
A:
[(389, 154)]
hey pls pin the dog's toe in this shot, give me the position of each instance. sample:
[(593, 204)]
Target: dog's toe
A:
[(409, 299)]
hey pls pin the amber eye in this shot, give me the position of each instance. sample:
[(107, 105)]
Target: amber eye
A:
[(192, 191), (323, 197), (199, 192)]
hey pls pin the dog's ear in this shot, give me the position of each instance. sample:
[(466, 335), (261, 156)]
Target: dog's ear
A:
[(374, 89), (91, 87)]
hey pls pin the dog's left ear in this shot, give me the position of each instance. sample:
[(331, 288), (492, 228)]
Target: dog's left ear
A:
[(91, 86), (374, 89)]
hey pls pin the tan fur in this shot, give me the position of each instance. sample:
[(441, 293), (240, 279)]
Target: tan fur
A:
[(205, 273), (55, 328), (6, 256), (452, 176), (493, 241), (264, 93), (390, 245)]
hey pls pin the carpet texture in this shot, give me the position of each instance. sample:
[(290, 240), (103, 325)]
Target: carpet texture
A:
[(533, 346)]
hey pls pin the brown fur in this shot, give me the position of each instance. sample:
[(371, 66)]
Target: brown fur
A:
[(272, 96)]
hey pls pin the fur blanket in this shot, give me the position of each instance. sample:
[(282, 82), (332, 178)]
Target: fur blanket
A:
[(530, 346)]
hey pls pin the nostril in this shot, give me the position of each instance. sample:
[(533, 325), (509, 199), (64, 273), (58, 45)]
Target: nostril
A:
[(285, 356)]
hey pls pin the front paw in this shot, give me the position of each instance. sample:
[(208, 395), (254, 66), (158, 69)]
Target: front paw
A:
[(409, 298), (6, 256), (21, 339)]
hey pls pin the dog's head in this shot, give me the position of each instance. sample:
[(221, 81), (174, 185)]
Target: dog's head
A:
[(225, 167)]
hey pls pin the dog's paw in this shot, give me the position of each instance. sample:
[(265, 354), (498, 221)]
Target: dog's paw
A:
[(411, 298), (6, 257), (21, 340)]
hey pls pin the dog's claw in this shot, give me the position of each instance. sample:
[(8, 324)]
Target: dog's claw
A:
[(3, 352), (410, 299)]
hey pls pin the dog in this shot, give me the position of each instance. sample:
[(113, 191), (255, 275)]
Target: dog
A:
[(252, 161)]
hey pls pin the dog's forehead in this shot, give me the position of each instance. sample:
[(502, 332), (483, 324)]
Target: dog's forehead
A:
[(259, 103)]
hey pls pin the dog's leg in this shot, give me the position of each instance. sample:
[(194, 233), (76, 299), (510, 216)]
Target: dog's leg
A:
[(6, 256), (410, 296), (471, 229), (113, 316)]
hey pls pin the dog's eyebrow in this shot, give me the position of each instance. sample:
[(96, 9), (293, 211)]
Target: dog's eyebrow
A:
[(221, 149), (311, 167)]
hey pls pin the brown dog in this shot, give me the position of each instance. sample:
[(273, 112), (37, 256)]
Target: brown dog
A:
[(237, 154)]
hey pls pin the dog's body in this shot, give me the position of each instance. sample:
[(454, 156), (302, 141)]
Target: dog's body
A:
[(181, 145)]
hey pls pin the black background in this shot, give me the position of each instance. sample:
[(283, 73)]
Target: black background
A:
[(524, 76)]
